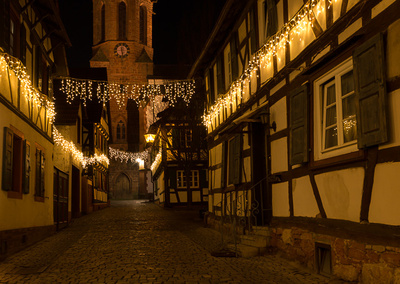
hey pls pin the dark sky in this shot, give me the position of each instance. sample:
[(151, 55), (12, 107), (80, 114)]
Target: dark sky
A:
[(180, 29)]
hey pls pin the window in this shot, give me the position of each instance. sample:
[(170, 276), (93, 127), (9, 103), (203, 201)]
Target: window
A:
[(103, 23), (14, 35), (186, 138), (143, 25), (193, 179), (122, 21), (336, 107), (120, 130), (268, 19), (39, 173)]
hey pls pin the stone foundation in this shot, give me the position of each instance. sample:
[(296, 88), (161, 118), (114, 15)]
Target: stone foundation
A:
[(351, 260), (12, 241)]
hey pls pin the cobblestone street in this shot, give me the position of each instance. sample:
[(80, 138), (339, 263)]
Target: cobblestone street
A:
[(134, 242)]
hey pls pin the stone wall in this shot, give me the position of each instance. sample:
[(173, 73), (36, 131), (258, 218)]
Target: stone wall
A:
[(351, 260)]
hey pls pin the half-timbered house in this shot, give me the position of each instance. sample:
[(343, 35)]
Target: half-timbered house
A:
[(302, 100), (32, 40), (179, 158)]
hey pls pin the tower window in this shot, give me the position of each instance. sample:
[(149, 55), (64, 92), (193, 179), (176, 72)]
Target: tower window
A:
[(122, 21), (120, 130), (143, 25), (103, 23)]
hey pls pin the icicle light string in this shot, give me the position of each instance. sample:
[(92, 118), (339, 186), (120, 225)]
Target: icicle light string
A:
[(263, 57), (10, 63), (141, 94), (77, 155), (123, 156)]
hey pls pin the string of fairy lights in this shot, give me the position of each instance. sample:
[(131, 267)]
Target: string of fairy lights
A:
[(126, 157), (105, 91), (10, 63), (291, 31)]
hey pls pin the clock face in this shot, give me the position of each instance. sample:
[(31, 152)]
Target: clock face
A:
[(121, 50)]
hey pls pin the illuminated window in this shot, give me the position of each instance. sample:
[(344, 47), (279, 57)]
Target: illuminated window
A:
[(186, 138), (193, 179)]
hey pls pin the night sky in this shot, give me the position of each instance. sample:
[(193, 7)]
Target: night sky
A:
[(180, 29)]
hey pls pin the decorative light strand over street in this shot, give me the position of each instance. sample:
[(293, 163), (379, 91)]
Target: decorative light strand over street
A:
[(77, 155), (123, 156), (104, 91), (264, 56)]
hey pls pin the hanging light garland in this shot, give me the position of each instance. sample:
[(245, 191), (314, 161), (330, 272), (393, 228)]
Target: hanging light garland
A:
[(104, 91), (156, 162), (264, 56), (77, 155), (10, 63), (123, 156)]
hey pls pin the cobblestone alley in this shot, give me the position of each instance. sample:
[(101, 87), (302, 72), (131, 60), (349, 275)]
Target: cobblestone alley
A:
[(134, 242)]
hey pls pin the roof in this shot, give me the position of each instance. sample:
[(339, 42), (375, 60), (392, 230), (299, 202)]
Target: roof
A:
[(99, 56), (66, 113), (144, 57)]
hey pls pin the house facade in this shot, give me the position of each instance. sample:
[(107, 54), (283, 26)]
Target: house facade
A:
[(303, 129), (32, 40), (179, 159)]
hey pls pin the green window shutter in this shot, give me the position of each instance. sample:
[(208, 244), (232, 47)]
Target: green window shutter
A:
[(23, 44), (37, 173), (5, 25), (220, 75), (299, 125), (7, 159), (172, 178), (42, 171), (203, 178), (27, 167), (253, 33), (234, 160), (234, 57), (272, 14), (223, 166), (370, 88)]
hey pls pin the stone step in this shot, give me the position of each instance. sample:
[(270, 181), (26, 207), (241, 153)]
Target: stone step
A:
[(254, 240), (247, 251), (262, 231)]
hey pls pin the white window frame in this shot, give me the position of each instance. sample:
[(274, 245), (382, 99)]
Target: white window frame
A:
[(319, 120), (181, 179)]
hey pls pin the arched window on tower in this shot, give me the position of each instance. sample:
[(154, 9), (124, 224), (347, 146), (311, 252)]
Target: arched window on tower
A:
[(143, 25), (122, 21), (121, 130), (103, 23)]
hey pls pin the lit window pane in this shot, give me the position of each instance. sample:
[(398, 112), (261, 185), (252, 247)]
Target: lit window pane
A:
[(331, 137)]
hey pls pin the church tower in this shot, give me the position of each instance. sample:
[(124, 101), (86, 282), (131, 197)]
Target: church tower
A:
[(122, 43)]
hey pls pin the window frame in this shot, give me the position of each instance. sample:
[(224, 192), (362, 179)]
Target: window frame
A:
[(341, 148), (181, 180)]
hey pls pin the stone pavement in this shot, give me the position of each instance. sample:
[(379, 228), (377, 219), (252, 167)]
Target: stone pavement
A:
[(138, 242)]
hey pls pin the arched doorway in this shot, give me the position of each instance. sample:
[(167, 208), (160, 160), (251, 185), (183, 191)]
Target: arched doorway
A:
[(121, 188)]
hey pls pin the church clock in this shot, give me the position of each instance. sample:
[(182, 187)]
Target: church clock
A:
[(121, 50)]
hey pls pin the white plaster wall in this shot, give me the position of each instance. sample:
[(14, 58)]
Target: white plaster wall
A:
[(279, 114), (385, 197), (279, 156), (246, 173), (196, 197), (304, 203), (280, 200), (300, 41), (293, 7), (217, 178), (392, 50), (182, 196), (341, 193), (393, 107)]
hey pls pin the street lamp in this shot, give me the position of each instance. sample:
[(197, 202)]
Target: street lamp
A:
[(264, 117), (149, 138)]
